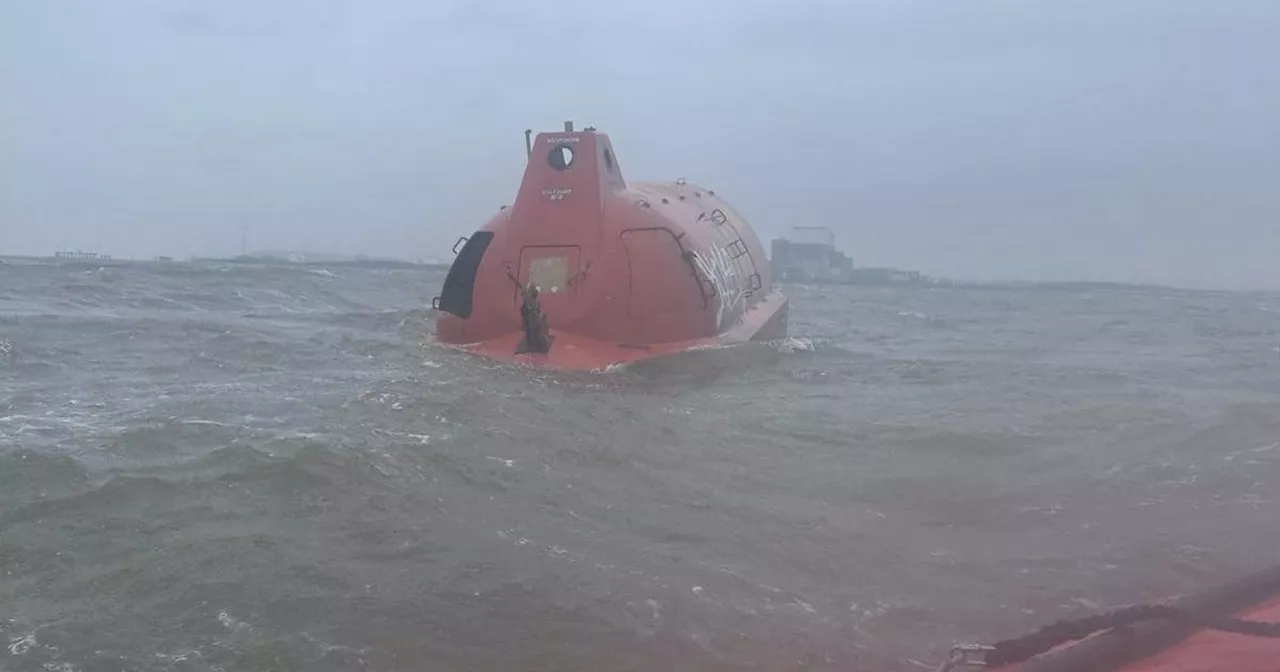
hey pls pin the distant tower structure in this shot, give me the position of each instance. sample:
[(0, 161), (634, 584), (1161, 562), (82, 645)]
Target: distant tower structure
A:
[(244, 240)]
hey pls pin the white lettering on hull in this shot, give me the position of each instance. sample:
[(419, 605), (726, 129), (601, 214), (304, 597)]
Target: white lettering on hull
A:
[(556, 194), (718, 267)]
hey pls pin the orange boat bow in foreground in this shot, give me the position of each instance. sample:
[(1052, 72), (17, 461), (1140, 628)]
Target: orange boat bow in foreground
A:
[(1212, 651), (1173, 645), (586, 270)]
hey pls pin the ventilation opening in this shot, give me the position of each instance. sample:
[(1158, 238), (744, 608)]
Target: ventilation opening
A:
[(460, 282)]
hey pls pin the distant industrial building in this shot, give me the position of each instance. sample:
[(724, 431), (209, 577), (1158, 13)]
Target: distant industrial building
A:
[(887, 276), (809, 254)]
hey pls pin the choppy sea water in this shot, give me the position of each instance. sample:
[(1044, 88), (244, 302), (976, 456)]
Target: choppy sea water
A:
[(209, 467)]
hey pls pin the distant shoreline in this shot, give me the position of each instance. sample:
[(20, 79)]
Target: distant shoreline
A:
[(1046, 285), (340, 263), (394, 264), (246, 261)]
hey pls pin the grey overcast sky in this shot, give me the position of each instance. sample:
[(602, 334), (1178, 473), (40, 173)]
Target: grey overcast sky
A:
[(1128, 140)]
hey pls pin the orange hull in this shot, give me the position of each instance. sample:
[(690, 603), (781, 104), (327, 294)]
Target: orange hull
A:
[(575, 352), (586, 270), (1210, 651)]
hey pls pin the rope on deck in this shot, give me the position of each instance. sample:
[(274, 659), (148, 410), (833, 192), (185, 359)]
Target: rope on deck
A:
[(1061, 632)]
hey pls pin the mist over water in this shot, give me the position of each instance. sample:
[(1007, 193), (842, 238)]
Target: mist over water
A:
[(1132, 141), (234, 467)]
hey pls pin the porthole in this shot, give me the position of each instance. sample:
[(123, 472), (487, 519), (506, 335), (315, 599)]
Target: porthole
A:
[(560, 157)]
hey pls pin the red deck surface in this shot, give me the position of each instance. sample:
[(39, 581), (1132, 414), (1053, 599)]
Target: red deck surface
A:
[(1211, 651), (574, 352), (1203, 651)]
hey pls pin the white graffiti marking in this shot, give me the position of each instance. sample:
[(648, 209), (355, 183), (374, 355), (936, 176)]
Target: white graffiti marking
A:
[(718, 267)]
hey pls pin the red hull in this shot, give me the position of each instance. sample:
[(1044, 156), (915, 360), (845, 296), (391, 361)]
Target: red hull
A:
[(1164, 646), (1211, 651), (623, 272)]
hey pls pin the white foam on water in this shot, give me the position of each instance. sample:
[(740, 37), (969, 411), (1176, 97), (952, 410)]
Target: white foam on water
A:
[(180, 657), (795, 344), (213, 423), (19, 646), (227, 621)]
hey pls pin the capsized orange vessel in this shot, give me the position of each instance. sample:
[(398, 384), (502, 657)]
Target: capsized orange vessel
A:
[(1231, 628), (586, 270)]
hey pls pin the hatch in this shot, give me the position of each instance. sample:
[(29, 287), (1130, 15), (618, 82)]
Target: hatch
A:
[(553, 269), (661, 281)]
